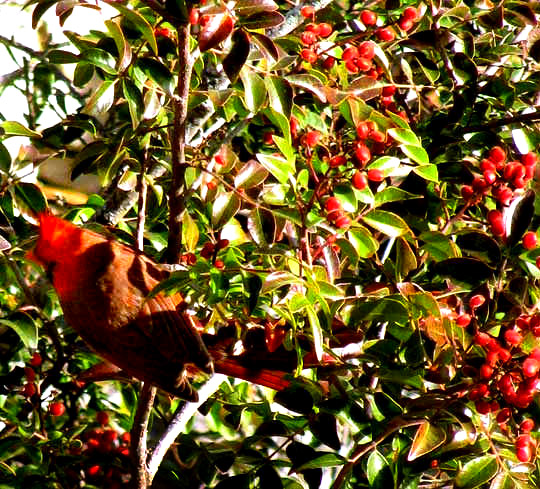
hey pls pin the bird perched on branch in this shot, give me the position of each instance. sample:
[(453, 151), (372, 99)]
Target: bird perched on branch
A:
[(104, 290)]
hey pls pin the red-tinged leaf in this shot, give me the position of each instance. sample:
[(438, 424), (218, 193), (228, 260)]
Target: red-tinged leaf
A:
[(234, 61), (249, 7), (250, 175), (266, 45), (215, 31), (262, 20), (427, 438), (38, 12)]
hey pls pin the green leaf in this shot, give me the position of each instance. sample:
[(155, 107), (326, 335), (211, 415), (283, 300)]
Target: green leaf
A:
[(378, 471), (250, 175), (83, 74), (428, 437), (100, 58), (59, 57), (123, 47), (28, 196), (363, 241), (404, 136), (237, 56), (190, 232), (254, 93), (13, 128), (316, 332), (5, 159), (439, 246), (140, 23), (386, 222), (225, 207), (393, 194), (326, 460), (262, 20), (286, 149), (386, 309), (427, 172), (158, 73), (416, 153), (330, 291), (278, 279), (135, 101), (281, 94), (279, 167), (101, 100), (26, 328), (477, 472)]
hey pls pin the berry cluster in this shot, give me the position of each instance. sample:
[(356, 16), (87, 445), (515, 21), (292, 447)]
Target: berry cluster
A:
[(97, 449), (509, 377), (502, 179), (210, 250), (312, 35)]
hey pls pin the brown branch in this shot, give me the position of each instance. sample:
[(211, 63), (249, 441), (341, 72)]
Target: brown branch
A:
[(178, 143), (139, 433), (394, 425), (503, 121)]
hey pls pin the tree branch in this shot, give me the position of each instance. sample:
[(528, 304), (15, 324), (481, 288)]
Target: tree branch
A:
[(178, 424), (139, 433), (178, 143)]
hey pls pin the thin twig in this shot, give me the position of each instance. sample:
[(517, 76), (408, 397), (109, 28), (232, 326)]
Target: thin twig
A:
[(179, 422)]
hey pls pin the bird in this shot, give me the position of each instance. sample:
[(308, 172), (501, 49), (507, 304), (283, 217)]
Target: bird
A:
[(104, 289)]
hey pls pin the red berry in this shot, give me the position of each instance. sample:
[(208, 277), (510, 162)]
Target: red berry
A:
[(537, 262), (362, 153), (389, 90), (524, 453), (486, 371), (476, 301), (405, 24), (504, 355), (30, 374), (194, 15), (530, 367), (504, 415), (359, 180), (494, 216), (490, 177), (93, 471), (497, 154), (366, 49), (102, 417), (29, 389), (207, 250), (307, 11), (343, 222), (529, 159), (467, 192), (410, 13), (337, 160), (350, 53), (483, 407), (363, 64), (36, 360), (351, 65), (315, 28), (308, 38), (222, 243), (530, 240), (363, 130), (328, 62), (332, 204), (162, 32), (377, 136), (325, 29), (375, 175), (463, 320), (57, 408), (385, 34), (482, 339), (309, 55), (487, 165), (368, 17), (497, 228), (513, 337), (219, 264), (312, 138), (526, 425), (220, 159), (268, 137)]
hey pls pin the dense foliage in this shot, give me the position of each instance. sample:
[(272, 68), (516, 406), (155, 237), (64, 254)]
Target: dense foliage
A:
[(352, 197)]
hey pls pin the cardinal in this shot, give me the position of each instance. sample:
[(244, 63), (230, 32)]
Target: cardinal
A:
[(104, 288)]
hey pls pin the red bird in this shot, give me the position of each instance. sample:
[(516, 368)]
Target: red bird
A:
[(103, 286)]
